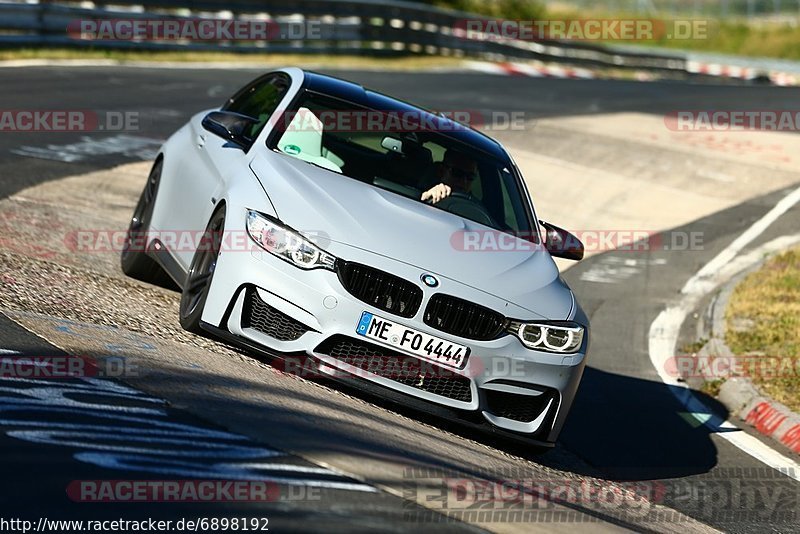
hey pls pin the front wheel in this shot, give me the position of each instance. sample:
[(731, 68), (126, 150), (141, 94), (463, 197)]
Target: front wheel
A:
[(201, 272)]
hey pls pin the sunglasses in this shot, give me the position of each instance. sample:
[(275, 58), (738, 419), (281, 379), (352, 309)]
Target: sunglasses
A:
[(461, 173)]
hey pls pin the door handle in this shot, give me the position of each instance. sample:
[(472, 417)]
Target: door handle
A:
[(201, 140)]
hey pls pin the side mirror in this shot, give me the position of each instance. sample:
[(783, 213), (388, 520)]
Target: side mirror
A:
[(230, 126), (561, 243)]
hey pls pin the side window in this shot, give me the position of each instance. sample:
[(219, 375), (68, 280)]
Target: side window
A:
[(259, 99), (508, 210), (513, 209)]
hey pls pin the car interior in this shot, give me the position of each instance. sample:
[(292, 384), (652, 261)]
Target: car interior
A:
[(403, 162)]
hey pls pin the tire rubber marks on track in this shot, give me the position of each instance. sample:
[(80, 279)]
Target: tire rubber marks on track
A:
[(117, 427), (614, 269), (141, 148), (124, 340)]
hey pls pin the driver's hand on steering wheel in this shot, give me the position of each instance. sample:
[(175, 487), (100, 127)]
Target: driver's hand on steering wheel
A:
[(436, 193)]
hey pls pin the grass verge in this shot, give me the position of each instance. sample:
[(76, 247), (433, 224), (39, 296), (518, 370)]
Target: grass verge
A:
[(763, 325), (779, 40)]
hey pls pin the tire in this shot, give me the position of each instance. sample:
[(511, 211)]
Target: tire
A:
[(201, 273), (133, 259)]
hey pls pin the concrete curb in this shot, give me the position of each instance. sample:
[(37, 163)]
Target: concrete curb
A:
[(507, 68), (726, 71), (547, 71), (780, 72), (748, 73), (485, 67), (533, 70), (542, 70), (769, 417), (739, 395)]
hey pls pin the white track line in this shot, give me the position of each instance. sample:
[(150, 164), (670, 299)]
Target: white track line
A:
[(703, 281), (7, 351), (664, 330)]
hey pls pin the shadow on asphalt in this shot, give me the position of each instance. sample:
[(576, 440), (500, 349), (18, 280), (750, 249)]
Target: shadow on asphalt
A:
[(283, 422), (622, 428), (632, 429)]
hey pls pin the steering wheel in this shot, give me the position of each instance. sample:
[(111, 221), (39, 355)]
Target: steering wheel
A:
[(468, 207)]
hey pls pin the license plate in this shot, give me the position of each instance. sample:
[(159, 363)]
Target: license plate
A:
[(407, 339)]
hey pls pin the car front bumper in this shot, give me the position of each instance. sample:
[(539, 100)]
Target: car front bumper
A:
[(512, 387)]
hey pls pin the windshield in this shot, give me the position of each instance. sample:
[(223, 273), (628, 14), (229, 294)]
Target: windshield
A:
[(408, 153)]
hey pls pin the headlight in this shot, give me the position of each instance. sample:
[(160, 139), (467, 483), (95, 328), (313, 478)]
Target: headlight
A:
[(557, 336), (286, 244)]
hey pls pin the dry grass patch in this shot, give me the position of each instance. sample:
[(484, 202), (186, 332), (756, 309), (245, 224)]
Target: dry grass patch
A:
[(763, 320)]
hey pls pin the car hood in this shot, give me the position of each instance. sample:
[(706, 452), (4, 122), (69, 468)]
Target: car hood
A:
[(326, 205)]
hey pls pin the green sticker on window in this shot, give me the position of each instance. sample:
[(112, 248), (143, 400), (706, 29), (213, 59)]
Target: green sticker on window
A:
[(292, 150)]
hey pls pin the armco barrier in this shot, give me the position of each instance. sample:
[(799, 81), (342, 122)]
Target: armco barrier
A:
[(390, 28)]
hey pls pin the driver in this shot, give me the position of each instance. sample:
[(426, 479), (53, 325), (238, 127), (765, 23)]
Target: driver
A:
[(456, 173)]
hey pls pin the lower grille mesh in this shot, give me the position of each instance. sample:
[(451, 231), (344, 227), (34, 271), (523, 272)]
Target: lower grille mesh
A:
[(402, 368), (261, 316)]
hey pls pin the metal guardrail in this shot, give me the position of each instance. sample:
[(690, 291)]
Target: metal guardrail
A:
[(718, 9), (385, 28)]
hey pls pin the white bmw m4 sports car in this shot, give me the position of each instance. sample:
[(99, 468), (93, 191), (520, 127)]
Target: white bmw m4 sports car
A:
[(384, 243)]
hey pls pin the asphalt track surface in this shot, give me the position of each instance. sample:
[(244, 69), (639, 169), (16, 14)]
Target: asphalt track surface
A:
[(625, 425)]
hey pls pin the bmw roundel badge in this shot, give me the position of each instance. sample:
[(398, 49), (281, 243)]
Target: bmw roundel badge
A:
[(429, 280)]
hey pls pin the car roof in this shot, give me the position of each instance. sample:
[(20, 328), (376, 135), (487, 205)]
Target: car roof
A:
[(357, 94)]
